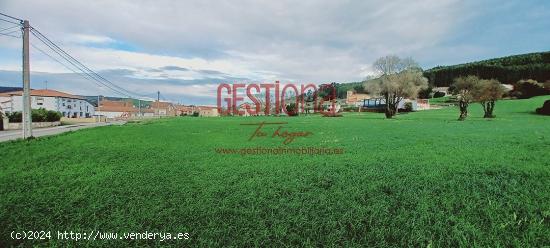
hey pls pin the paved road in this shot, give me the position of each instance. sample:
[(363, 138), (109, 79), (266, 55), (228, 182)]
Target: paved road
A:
[(39, 132)]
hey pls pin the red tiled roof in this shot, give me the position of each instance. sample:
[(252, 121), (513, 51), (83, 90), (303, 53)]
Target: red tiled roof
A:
[(206, 107), (161, 104), (47, 93), (116, 106)]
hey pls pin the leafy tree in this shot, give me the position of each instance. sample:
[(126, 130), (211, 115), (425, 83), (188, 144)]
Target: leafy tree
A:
[(400, 79), (464, 88), (487, 92), (291, 109)]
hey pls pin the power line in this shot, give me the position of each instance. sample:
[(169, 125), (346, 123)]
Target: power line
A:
[(72, 60), (67, 56), (12, 22), (66, 66), (11, 33), (6, 29), (17, 19), (79, 68), (87, 73)]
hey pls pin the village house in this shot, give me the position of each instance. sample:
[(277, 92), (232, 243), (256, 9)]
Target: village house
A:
[(207, 111), (182, 110), (121, 109), (355, 99), (163, 108), (70, 106)]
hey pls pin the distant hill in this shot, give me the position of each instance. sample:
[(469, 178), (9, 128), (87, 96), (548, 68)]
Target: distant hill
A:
[(135, 102), (507, 70), (9, 89)]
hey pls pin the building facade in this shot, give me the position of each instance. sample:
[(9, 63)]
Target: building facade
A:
[(70, 106), (121, 110)]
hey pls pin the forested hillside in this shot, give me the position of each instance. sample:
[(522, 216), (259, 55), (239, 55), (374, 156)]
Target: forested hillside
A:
[(507, 70)]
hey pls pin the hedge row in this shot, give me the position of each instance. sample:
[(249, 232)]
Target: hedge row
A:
[(38, 115)]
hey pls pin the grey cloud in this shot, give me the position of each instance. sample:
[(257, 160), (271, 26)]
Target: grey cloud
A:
[(211, 72), (173, 68)]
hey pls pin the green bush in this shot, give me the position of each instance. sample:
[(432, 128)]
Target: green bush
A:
[(52, 116), (524, 89), (425, 93), (408, 107), (195, 114), (15, 117), (439, 94), (37, 115), (545, 109), (351, 109), (291, 109)]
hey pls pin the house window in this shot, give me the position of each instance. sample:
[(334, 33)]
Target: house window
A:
[(39, 101)]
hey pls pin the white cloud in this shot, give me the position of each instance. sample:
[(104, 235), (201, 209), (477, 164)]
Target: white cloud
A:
[(300, 41)]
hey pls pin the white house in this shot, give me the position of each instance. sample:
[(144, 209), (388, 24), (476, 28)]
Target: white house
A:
[(68, 105)]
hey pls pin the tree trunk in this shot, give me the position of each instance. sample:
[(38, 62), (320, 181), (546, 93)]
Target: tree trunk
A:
[(488, 107), (389, 111), (463, 110)]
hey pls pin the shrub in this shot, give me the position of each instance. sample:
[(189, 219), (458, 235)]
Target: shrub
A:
[(37, 115), (408, 107), (439, 94), (195, 114), (528, 88), (351, 109), (15, 117), (52, 116), (425, 93), (545, 109), (291, 109)]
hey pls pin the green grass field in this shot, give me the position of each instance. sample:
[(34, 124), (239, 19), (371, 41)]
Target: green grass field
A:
[(422, 179)]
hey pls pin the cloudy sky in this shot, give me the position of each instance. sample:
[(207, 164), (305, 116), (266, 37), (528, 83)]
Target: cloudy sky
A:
[(185, 48)]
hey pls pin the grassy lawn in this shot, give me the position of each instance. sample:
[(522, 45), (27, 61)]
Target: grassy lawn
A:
[(421, 179)]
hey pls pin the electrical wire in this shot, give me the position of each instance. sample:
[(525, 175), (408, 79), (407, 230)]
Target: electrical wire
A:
[(80, 69), (86, 72), (8, 16)]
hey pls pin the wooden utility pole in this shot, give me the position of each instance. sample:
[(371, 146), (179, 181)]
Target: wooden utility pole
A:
[(27, 120)]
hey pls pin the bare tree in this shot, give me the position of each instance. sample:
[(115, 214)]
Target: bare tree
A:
[(463, 87), (487, 92), (387, 65), (399, 79)]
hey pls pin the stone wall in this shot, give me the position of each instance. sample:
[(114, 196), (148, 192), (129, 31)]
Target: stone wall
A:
[(16, 126)]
